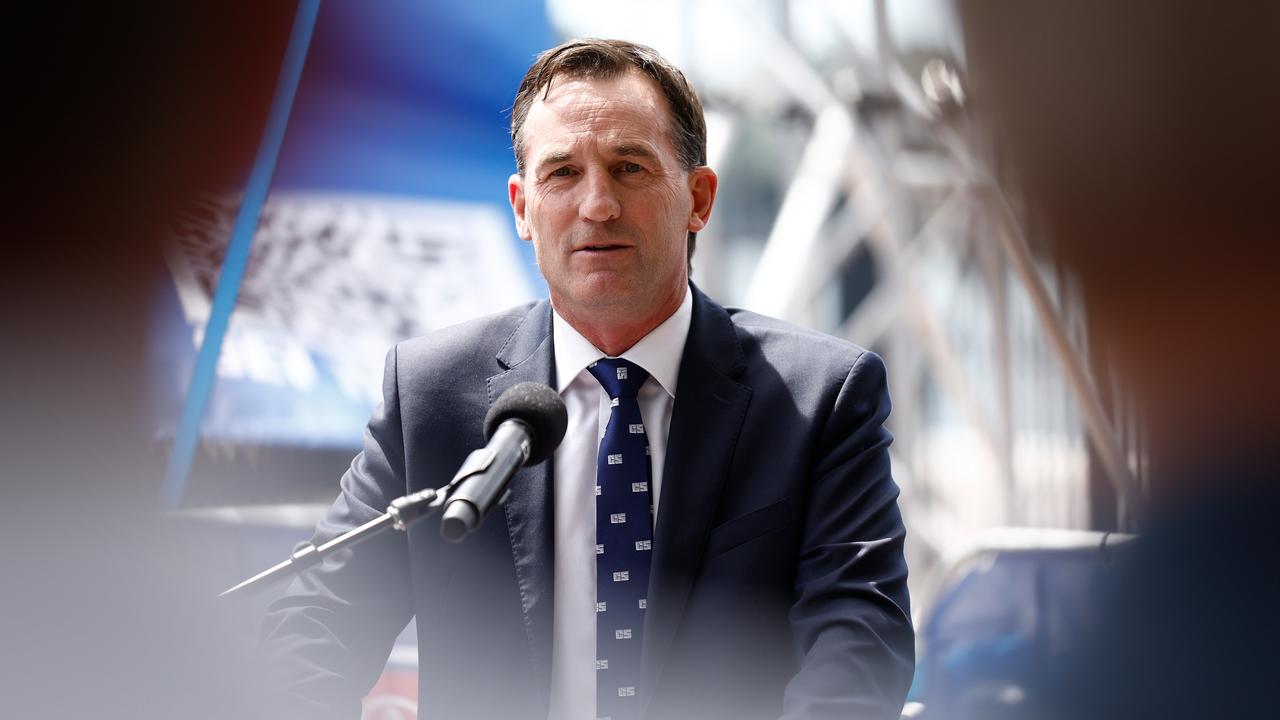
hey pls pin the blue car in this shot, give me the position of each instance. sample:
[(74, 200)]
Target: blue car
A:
[(1010, 617)]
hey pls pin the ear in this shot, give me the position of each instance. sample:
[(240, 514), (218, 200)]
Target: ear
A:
[(702, 187), (515, 194)]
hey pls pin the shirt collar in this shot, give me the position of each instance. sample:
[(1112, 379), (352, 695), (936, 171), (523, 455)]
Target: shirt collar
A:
[(659, 352)]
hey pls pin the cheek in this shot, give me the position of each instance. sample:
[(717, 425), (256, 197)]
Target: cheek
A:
[(549, 209), (676, 203)]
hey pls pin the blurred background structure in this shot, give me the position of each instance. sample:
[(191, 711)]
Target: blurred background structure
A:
[(864, 192)]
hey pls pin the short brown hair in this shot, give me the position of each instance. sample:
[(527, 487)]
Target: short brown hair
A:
[(598, 59)]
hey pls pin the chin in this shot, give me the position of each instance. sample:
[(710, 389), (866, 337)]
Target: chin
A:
[(609, 300), (606, 288)]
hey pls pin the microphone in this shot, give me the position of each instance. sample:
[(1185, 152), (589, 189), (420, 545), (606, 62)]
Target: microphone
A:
[(523, 427)]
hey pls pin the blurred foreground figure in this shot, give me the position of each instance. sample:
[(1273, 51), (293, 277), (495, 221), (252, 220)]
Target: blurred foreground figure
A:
[(108, 606), (1142, 138)]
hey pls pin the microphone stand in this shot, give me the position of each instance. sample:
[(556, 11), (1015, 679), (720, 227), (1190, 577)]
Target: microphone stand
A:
[(402, 513)]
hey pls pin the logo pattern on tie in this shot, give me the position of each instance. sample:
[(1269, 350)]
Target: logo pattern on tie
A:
[(624, 540)]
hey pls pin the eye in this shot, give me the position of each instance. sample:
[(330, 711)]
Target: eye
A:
[(630, 167), (562, 172)]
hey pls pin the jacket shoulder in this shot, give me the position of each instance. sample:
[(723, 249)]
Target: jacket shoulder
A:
[(470, 345), (476, 330), (779, 336)]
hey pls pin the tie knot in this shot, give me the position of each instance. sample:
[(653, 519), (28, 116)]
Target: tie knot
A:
[(620, 378)]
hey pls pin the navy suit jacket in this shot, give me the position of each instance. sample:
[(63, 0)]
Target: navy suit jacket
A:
[(778, 586)]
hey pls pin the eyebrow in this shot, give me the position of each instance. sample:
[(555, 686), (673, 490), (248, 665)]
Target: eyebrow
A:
[(554, 158), (633, 151), (559, 156)]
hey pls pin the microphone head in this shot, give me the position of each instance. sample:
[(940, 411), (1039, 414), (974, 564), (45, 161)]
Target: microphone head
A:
[(537, 406)]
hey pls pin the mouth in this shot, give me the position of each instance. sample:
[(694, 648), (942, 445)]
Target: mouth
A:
[(601, 248)]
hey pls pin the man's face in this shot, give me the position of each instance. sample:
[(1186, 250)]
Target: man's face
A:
[(606, 202)]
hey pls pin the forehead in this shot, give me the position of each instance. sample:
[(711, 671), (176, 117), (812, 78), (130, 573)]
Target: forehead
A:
[(626, 108)]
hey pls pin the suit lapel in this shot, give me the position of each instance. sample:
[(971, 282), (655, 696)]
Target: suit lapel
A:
[(707, 418), (527, 356)]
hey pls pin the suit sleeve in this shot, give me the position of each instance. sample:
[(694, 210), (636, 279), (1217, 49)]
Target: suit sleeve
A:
[(851, 620), (328, 637)]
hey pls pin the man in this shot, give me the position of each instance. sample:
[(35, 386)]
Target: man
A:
[(776, 581)]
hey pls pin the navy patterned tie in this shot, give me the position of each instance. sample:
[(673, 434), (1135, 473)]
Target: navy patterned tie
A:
[(624, 541)]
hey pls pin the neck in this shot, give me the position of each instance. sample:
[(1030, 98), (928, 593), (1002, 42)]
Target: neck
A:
[(616, 335)]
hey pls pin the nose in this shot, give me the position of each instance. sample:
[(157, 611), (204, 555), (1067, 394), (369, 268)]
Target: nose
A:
[(600, 202)]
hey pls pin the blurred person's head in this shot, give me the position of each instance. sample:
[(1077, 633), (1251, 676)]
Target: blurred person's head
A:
[(611, 184), (1142, 137), (109, 608)]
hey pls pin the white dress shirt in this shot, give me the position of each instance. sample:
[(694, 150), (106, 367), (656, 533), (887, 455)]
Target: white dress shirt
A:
[(573, 653)]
